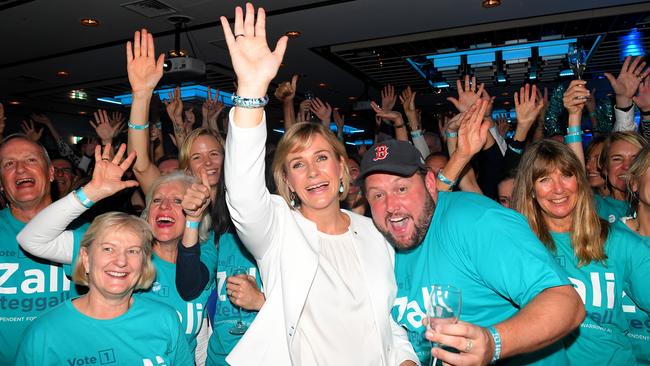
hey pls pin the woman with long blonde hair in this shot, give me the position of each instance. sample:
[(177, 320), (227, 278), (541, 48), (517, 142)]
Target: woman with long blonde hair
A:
[(602, 260)]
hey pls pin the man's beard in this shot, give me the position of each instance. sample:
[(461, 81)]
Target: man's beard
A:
[(421, 228)]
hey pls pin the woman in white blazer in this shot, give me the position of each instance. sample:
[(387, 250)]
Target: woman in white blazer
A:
[(327, 273)]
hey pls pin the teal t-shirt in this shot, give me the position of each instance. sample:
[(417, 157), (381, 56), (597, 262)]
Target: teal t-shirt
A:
[(163, 289), (231, 254), (28, 286), (637, 319), (487, 251), (147, 334), (611, 209), (601, 338)]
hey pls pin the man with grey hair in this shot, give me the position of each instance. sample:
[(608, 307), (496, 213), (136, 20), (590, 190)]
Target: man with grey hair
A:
[(28, 285)]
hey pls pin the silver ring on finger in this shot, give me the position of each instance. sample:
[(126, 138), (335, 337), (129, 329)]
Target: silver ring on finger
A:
[(239, 35), (469, 345)]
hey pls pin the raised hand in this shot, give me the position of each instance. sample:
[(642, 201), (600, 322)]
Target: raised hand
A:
[(174, 106), (468, 95), (303, 111), (286, 91), (30, 131), (407, 98), (502, 125), (388, 98), (322, 110), (628, 80), (575, 97), (108, 172), (116, 118), (339, 120), (473, 129), (197, 198), (143, 68), (254, 63), (642, 100), (527, 107), (41, 119), (104, 129), (391, 116)]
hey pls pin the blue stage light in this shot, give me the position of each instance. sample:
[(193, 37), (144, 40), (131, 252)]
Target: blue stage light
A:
[(188, 93), (631, 44)]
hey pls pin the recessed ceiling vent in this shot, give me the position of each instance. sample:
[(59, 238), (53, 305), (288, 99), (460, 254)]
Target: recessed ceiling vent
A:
[(150, 8)]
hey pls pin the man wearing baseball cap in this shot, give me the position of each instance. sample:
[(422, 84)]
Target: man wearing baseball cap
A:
[(517, 303)]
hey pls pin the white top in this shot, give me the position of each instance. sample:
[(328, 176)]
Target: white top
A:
[(344, 331)]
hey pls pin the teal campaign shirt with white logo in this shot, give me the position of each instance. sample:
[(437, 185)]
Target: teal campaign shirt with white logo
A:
[(232, 254), (28, 286), (163, 289), (487, 251), (638, 320), (148, 334), (611, 209), (601, 338)]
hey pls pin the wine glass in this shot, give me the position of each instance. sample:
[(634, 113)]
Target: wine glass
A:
[(240, 328), (444, 308), (577, 58)]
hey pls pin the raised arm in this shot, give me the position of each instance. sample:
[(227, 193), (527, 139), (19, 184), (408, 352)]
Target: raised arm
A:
[(625, 86), (285, 93), (45, 236), (395, 118), (575, 98), (144, 72)]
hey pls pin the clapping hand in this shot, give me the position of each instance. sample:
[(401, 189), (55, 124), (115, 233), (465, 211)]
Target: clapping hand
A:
[(108, 172)]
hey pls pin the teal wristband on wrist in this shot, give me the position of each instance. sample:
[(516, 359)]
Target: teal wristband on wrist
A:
[(497, 344), (574, 129), (81, 196), (445, 180), (416, 133), (515, 150), (570, 139), (451, 134), (138, 127), (192, 224)]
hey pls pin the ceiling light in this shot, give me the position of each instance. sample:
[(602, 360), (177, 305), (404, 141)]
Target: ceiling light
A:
[(179, 53), (63, 74), (491, 3), (292, 34), (78, 95), (14, 102), (83, 113), (89, 22), (322, 85), (352, 98)]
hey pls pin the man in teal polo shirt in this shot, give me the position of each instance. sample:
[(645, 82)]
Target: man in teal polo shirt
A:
[(517, 303)]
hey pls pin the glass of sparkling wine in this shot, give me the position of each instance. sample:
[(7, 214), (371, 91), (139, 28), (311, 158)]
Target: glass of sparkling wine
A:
[(444, 308), (240, 327)]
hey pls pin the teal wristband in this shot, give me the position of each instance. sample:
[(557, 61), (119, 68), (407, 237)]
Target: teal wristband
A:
[(192, 224), (81, 196), (249, 102), (416, 133), (451, 135), (445, 180), (497, 344), (158, 125), (574, 129), (138, 127), (570, 139), (515, 150)]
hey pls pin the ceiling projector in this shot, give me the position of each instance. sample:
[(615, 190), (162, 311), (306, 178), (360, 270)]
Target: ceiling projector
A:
[(184, 67)]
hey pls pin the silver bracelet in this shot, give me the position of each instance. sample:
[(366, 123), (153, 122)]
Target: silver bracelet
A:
[(249, 102)]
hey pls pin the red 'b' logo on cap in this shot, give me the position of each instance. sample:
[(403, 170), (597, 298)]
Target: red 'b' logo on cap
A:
[(381, 153)]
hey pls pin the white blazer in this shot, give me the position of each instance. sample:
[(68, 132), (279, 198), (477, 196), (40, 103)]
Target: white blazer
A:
[(286, 246)]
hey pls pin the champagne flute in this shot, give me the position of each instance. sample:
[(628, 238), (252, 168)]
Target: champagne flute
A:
[(240, 327), (444, 308), (577, 58)]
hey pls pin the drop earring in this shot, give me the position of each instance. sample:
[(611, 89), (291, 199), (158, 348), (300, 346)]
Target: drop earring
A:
[(292, 195), (341, 188)]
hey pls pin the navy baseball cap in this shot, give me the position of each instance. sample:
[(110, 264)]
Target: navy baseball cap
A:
[(392, 157)]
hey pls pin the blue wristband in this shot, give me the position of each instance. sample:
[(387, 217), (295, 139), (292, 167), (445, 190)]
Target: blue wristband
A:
[(192, 224), (81, 196), (574, 129), (158, 125), (497, 344), (416, 133), (570, 139), (138, 127), (445, 180), (249, 102), (515, 150), (451, 135)]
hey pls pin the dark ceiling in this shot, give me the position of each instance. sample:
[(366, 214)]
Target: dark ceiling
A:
[(339, 46)]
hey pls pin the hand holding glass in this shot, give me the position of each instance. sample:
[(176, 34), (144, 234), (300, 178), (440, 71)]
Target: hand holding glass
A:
[(240, 328), (444, 307)]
